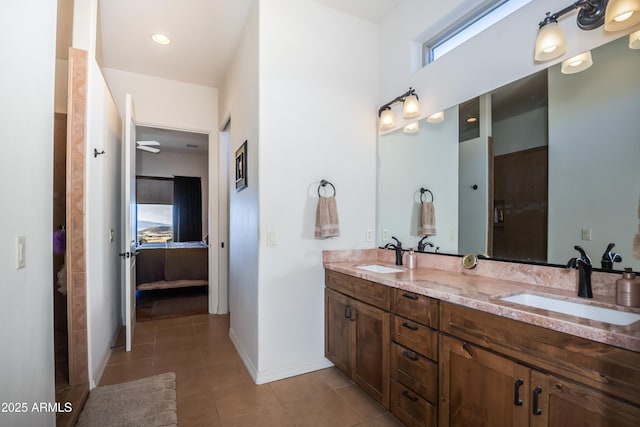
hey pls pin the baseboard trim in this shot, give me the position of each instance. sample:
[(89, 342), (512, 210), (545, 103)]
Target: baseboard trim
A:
[(279, 373)]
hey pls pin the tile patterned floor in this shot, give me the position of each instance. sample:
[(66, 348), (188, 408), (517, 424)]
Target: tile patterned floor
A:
[(214, 388)]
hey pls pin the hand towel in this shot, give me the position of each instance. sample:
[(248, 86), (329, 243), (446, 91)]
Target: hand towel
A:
[(427, 219), (327, 218), (636, 238)]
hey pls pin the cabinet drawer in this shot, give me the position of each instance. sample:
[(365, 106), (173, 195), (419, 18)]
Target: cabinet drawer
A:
[(372, 293), (415, 371), (419, 308), (410, 408), (415, 337)]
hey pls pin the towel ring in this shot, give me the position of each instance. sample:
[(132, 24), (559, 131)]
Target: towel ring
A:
[(323, 184), (425, 190)]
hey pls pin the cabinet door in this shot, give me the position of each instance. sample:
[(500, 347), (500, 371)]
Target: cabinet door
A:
[(560, 403), (339, 315), (371, 345), (481, 389)]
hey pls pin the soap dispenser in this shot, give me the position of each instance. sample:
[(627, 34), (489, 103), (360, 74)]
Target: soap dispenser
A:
[(412, 259), (628, 289)]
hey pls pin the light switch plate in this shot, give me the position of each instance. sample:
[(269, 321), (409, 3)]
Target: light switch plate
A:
[(271, 238), (20, 252)]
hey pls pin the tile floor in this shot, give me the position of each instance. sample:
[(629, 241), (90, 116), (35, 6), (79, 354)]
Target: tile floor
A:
[(214, 388)]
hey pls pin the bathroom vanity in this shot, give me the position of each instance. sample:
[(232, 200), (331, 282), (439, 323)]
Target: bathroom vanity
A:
[(441, 346)]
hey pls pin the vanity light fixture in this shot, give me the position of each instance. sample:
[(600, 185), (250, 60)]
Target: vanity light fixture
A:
[(161, 39), (577, 63), (410, 109), (436, 118), (387, 120), (621, 14), (634, 40), (412, 128), (616, 15)]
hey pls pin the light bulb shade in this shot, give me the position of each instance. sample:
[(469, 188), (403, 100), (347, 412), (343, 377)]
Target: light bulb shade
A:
[(387, 119), (411, 107), (577, 63), (550, 43), (621, 14), (634, 40), (412, 128), (436, 118)]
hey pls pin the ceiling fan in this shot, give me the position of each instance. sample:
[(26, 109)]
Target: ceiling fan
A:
[(147, 146)]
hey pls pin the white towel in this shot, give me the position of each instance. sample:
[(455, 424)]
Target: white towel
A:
[(327, 218), (427, 219)]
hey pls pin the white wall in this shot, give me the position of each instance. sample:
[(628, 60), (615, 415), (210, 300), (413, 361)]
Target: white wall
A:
[(26, 306), (102, 200), (408, 162), (582, 151), (520, 132), (239, 101), (168, 164), (318, 89)]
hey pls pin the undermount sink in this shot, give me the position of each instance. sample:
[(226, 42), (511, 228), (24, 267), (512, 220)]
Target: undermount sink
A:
[(376, 268), (601, 314)]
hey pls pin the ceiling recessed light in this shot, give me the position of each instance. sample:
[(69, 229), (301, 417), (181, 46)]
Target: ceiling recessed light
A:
[(471, 119), (160, 39)]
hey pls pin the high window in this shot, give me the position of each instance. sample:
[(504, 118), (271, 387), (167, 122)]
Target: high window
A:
[(470, 24)]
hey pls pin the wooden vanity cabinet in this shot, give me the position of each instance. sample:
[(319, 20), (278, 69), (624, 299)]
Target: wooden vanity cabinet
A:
[(414, 358), (500, 372), (357, 333)]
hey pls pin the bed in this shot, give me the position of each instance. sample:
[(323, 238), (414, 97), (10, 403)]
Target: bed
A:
[(172, 265)]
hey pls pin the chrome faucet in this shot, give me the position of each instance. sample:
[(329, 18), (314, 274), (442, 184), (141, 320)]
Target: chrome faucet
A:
[(398, 249), (583, 264), (423, 243)]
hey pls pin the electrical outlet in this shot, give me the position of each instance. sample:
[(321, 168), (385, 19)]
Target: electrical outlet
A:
[(369, 235), (586, 234), (385, 235)]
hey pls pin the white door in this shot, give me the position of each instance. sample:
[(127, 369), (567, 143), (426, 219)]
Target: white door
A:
[(129, 206)]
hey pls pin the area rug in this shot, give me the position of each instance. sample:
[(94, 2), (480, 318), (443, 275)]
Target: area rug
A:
[(148, 402)]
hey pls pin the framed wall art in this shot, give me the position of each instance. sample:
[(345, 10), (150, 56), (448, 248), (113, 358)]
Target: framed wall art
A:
[(241, 167)]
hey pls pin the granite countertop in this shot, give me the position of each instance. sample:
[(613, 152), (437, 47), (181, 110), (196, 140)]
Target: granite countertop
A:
[(484, 293)]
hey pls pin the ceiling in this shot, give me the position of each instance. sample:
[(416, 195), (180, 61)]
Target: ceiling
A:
[(173, 141), (204, 34)]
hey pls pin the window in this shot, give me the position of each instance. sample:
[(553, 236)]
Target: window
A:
[(154, 198), (470, 24), (155, 223)]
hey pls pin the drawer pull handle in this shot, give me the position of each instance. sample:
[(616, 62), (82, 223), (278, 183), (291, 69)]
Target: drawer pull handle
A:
[(405, 393), (413, 297), (536, 408), (347, 312), (409, 356), (411, 327), (516, 393)]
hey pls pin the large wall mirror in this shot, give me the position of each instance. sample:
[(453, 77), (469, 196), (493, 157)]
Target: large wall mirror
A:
[(527, 171)]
